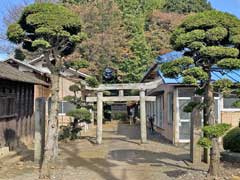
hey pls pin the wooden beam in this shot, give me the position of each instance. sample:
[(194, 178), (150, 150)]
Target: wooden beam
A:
[(135, 86), (121, 99)]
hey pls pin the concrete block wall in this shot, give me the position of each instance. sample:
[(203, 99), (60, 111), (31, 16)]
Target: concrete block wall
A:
[(231, 117)]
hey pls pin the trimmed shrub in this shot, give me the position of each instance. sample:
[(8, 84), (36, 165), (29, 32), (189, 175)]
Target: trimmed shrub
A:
[(81, 115), (69, 132), (231, 140), (92, 82), (119, 116)]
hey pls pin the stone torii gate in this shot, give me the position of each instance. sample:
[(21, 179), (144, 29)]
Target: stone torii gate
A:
[(142, 87)]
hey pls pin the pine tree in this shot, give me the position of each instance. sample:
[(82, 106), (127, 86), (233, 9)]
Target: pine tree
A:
[(210, 40)]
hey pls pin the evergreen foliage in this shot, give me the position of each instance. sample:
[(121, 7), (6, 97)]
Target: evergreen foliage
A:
[(92, 81), (135, 14), (52, 30), (190, 106), (46, 25), (187, 6), (231, 141), (81, 114), (212, 131), (72, 131), (77, 64), (19, 54), (224, 86), (74, 88), (207, 38), (125, 35)]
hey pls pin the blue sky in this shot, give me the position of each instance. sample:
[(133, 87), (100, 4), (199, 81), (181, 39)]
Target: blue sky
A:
[(4, 6), (231, 6)]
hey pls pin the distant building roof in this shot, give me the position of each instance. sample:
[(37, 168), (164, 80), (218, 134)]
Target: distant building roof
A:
[(40, 58), (218, 73), (30, 64), (10, 73), (26, 64)]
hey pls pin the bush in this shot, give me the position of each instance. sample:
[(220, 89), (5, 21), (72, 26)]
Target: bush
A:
[(119, 116), (69, 132), (215, 131), (212, 131), (231, 140), (19, 55), (81, 115), (186, 6), (77, 64), (92, 82)]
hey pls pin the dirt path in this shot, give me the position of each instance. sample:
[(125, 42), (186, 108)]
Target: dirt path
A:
[(120, 157)]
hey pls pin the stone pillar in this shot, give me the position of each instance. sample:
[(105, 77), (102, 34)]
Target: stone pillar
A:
[(39, 138), (99, 116), (92, 117), (121, 93), (196, 125), (143, 117)]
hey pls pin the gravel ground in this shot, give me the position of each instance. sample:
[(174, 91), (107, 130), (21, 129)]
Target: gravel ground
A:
[(120, 157)]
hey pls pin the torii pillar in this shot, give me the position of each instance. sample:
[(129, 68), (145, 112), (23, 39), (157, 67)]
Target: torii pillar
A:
[(143, 117), (99, 116), (121, 87)]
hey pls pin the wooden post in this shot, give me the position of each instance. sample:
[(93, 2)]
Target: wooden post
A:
[(39, 140), (143, 117), (99, 116), (196, 124)]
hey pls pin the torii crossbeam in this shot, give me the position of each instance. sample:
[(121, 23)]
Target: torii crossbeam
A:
[(142, 87)]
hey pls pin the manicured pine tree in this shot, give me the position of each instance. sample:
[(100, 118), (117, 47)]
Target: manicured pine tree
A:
[(54, 30), (211, 40)]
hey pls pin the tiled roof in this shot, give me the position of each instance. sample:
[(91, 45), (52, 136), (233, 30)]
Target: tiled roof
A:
[(10, 73), (26, 64), (30, 65), (233, 75)]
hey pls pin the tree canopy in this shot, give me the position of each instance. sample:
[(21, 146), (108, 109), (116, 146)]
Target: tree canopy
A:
[(125, 35), (46, 25), (210, 39), (187, 6), (133, 34)]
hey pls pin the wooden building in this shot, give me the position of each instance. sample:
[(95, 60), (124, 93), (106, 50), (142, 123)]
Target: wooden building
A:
[(37, 67), (16, 106)]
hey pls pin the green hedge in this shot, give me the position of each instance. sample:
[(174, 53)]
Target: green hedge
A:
[(231, 140), (119, 116)]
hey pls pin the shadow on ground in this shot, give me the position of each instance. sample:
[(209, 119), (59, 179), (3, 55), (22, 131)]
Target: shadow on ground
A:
[(99, 165), (126, 129), (132, 155), (155, 159)]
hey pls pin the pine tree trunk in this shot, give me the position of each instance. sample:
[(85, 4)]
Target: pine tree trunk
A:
[(51, 148), (214, 158), (209, 119)]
